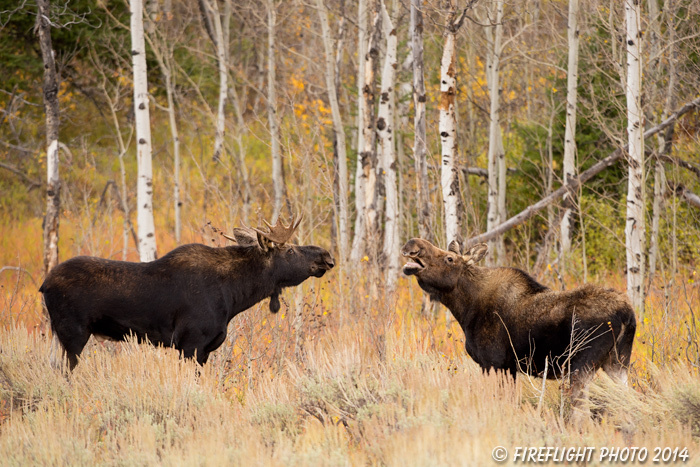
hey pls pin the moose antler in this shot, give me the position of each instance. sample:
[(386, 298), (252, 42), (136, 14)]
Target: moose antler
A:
[(279, 233)]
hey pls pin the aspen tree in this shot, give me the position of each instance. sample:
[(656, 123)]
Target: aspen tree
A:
[(419, 141), (280, 191), (144, 186), (449, 176), (358, 240), (53, 182), (496, 152), (385, 136), (635, 218), (570, 132)]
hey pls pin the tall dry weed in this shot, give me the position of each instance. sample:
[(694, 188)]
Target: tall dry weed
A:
[(344, 374)]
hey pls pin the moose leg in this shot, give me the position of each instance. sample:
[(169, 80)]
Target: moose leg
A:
[(615, 368), (580, 404), (210, 347), (617, 361), (57, 355), (68, 344)]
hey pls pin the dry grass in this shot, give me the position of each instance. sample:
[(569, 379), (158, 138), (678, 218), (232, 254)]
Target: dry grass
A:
[(343, 375)]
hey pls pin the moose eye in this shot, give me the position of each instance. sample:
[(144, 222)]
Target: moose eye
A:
[(290, 251), (450, 259)]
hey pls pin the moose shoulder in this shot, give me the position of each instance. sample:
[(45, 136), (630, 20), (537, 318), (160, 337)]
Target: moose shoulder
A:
[(513, 323), (183, 300)]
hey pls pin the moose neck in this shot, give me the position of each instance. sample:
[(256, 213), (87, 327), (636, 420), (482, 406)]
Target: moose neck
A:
[(259, 282), (466, 301)]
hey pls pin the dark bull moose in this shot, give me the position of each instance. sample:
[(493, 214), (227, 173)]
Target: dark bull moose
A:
[(183, 300), (512, 323)]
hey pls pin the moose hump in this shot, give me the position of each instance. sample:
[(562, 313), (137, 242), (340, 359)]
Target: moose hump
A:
[(183, 300)]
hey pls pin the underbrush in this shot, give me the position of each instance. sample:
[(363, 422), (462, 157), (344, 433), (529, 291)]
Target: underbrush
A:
[(344, 374)]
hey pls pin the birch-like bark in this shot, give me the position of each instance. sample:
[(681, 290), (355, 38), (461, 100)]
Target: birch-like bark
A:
[(220, 44), (385, 135), (339, 132), (419, 141), (448, 134), (495, 153), (144, 187), (369, 154), (634, 228), (570, 134), (53, 182), (277, 175), (358, 240)]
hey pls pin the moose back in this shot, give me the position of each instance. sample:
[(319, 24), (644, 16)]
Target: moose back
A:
[(183, 300), (513, 323)]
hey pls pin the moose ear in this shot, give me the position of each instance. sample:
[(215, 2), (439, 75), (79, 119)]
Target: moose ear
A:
[(476, 253), (265, 243), (245, 237), (454, 247)]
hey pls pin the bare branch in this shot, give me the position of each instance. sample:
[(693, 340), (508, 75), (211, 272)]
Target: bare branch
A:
[(680, 163), (688, 196), (29, 181), (479, 172), (530, 211)]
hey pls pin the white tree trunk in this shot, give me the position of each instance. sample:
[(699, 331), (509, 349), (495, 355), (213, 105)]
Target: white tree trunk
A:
[(213, 6), (419, 141), (144, 187), (339, 132), (359, 237), (448, 138), (495, 139), (53, 182), (385, 127), (369, 154), (277, 176), (570, 133), (634, 229)]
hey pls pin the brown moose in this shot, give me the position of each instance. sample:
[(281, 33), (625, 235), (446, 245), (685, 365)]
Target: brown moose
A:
[(183, 300), (513, 323)]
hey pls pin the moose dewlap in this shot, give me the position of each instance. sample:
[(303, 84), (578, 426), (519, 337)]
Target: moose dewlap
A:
[(513, 323), (183, 300)]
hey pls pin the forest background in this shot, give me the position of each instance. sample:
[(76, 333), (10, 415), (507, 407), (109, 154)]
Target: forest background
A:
[(259, 110)]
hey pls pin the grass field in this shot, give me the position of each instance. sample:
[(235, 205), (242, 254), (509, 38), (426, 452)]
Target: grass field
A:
[(342, 375)]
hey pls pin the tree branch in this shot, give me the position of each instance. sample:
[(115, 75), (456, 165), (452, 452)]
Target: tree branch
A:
[(482, 172), (687, 196), (29, 181), (530, 211), (206, 21), (680, 163)]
